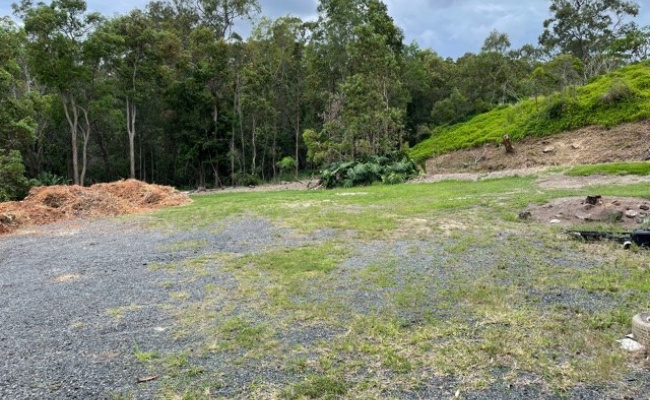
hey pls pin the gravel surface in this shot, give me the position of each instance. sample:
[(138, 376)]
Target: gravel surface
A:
[(77, 300)]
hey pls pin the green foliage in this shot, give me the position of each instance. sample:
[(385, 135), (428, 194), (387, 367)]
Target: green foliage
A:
[(586, 30), (609, 100), (392, 169), (244, 179), (287, 165), (48, 179), (640, 168), (13, 184), (619, 90), (317, 387)]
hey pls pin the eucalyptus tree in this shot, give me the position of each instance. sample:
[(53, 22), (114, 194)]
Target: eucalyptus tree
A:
[(131, 47), (589, 30), (219, 15), (273, 89), (355, 61), (57, 35)]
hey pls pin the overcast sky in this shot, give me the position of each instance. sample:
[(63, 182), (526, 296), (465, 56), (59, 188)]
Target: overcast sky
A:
[(449, 27)]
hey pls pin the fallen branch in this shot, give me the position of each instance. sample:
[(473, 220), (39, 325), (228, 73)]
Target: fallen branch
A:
[(147, 379)]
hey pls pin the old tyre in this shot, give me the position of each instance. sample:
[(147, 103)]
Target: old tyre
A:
[(641, 328)]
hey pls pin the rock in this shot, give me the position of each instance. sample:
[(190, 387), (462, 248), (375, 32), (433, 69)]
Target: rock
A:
[(548, 149), (575, 146), (631, 213), (586, 218), (630, 345), (555, 221), (525, 215), (644, 207)]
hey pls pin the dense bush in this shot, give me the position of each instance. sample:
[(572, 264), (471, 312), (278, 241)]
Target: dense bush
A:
[(390, 169), (48, 179), (13, 184)]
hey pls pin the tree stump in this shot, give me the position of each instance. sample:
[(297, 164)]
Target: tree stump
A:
[(508, 144)]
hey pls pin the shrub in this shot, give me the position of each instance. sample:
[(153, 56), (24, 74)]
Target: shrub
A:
[(48, 179), (287, 165), (13, 184), (617, 91), (391, 169), (247, 179)]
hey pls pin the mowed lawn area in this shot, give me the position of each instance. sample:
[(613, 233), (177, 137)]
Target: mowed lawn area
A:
[(407, 292)]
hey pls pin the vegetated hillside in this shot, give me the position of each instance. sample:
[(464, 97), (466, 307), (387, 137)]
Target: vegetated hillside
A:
[(609, 100)]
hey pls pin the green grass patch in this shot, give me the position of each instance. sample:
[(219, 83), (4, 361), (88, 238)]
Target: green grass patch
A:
[(317, 387), (414, 280), (638, 168), (609, 100)]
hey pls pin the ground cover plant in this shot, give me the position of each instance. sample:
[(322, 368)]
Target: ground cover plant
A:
[(406, 291), (639, 168), (609, 100)]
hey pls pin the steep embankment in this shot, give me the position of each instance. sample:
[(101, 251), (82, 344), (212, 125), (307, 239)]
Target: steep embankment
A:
[(590, 145), (608, 101)]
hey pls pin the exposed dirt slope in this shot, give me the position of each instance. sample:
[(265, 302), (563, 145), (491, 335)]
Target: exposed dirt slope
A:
[(591, 145), (49, 204)]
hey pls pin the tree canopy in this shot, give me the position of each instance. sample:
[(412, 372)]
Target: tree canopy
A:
[(175, 94)]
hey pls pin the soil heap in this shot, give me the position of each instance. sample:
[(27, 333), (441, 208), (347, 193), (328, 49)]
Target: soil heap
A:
[(47, 204)]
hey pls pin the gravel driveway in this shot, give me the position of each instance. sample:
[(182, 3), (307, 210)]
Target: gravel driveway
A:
[(79, 299), (64, 292)]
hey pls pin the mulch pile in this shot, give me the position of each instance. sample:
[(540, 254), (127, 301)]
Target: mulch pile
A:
[(47, 204)]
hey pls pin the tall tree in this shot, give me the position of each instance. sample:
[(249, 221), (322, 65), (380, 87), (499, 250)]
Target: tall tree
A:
[(134, 59), (57, 36), (588, 30), (355, 58)]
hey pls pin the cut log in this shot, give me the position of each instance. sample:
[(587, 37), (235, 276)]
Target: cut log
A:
[(508, 144)]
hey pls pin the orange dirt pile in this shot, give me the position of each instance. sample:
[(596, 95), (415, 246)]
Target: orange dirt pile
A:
[(47, 204)]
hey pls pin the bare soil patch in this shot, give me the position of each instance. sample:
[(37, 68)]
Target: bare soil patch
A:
[(49, 204), (269, 187), (590, 145), (626, 212)]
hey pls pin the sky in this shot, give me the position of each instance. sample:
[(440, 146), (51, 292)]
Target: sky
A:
[(449, 27)]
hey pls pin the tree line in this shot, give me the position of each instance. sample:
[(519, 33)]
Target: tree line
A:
[(172, 94)]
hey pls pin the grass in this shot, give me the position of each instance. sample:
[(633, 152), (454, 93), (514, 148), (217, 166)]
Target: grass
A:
[(601, 102), (638, 168), (412, 288)]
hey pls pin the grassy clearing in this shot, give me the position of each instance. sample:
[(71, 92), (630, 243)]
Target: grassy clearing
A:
[(609, 100), (638, 168), (420, 287)]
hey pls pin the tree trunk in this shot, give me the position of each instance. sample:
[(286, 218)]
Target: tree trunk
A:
[(73, 121), (254, 144), (232, 157), (84, 152), (104, 152), (130, 127), (297, 140), (274, 151)]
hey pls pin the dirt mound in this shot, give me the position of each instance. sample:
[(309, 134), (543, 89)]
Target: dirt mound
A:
[(47, 204), (591, 145), (627, 212)]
